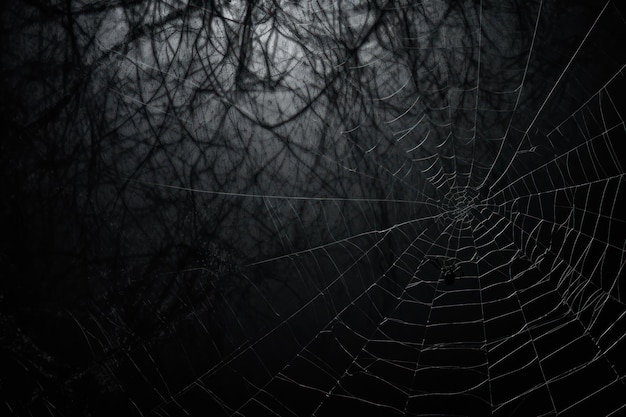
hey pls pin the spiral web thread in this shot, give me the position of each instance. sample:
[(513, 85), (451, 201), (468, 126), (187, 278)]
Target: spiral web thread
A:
[(463, 155)]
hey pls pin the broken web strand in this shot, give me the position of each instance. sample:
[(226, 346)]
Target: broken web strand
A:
[(363, 350), (336, 318), (355, 358), (285, 322)]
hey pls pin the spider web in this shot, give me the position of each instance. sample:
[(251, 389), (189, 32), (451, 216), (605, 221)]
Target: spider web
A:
[(269, 195)]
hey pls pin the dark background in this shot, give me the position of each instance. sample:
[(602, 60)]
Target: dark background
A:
[(212, 208)]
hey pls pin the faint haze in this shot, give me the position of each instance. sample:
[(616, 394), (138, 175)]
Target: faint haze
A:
[(201, 197)]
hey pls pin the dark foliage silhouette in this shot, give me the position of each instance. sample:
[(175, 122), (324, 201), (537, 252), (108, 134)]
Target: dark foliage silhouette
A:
[(267, 207)]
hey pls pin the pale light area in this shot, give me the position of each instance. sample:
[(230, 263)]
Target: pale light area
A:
[(113, 29)]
